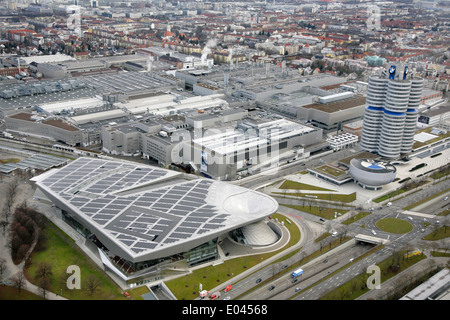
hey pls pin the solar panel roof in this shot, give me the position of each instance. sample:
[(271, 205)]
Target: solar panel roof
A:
[(140, 212)]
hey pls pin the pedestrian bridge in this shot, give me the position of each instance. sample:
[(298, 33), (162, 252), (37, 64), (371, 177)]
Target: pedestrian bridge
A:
[(370, 239)]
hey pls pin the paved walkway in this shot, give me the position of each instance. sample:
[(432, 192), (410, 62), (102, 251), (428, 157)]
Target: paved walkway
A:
[(25, 193), (12, 269)]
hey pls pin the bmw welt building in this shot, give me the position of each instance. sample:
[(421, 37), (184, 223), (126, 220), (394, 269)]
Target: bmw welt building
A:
[(144, 220)]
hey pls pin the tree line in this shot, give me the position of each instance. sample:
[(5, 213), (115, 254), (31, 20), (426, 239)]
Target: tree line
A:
[(24, 231)]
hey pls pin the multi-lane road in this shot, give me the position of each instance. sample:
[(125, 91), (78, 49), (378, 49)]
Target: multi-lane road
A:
[(396, 241), (271, 283)]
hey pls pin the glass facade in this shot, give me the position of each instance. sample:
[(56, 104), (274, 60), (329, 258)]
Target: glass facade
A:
[(67, 218), (203, 253)]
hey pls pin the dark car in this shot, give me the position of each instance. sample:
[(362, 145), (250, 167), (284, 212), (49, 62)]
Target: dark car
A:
[(271, 288)]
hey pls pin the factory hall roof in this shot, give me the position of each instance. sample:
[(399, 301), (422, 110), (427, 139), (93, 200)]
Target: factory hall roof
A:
[(338, 105)]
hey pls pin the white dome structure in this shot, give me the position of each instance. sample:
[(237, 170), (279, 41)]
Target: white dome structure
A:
[(372, 174), (259, 234)]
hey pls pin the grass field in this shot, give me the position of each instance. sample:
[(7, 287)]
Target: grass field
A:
[(289, 184), (345, 198), (439, 234), (331, 170), (60, 252), (12, 293), (393, 225), (327, 213)]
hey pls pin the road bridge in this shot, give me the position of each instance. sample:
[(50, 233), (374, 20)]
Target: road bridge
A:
[(370, 239)]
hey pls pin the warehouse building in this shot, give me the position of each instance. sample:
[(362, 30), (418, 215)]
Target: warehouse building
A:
[(332, 115), (50, 128)]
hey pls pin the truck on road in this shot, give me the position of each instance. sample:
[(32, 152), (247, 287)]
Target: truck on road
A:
[(297, 273)]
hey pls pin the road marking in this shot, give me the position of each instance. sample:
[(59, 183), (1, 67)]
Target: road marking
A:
[(293, 215)]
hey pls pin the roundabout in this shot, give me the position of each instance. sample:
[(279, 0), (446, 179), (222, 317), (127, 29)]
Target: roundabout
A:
[(394, 225)]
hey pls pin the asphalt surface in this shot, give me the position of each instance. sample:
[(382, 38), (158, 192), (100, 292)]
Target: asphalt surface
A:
[(268, 283)]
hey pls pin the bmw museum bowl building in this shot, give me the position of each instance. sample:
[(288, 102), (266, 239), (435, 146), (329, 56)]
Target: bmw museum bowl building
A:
[(372, 174)]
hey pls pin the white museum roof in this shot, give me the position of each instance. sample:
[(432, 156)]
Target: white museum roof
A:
[(143, 209)]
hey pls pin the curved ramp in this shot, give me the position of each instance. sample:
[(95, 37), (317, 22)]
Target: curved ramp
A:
[(259, 234)]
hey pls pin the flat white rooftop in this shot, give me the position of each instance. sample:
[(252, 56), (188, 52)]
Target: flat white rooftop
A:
[(258, 135), (424, 137), (82, 103), (166, 103)]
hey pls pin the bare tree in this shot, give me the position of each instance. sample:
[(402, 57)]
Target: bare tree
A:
[(19, 281), (4, 224), (92, 284), (353, 285), (2, 265), (44, 286), (9, 197), (44, 270), (343, 292), (13, 185)]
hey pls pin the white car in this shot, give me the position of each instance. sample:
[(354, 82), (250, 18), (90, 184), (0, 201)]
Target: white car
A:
[(389, 204), (374, 233)]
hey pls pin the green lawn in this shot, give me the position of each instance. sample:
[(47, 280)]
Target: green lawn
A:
[(327, 213), (289, 184), (346, 198), (12, 293), (60, 252), (393, 225), (439, 234), (331, 170), (418, 144), (442, 172)]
